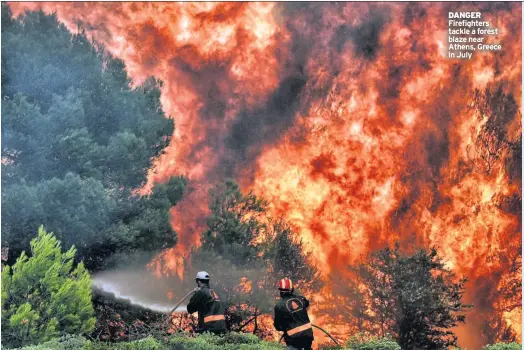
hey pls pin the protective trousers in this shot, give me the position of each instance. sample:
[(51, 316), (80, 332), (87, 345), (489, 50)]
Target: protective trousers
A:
[(299, 343)]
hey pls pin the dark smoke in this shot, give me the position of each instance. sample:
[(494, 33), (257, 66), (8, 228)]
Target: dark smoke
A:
[(414, 12), (437, 151), (365, 36), (263, 126)]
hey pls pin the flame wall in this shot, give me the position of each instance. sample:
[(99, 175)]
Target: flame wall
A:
[(349, 118)]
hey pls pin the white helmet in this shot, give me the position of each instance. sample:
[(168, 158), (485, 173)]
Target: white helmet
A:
[(202, 275)]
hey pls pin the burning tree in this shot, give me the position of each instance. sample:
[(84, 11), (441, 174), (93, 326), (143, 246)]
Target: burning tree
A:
[(414, 297), (498, 139), (287, 257)]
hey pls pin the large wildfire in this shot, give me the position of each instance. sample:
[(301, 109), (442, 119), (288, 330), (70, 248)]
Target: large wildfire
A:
[(348, 118)]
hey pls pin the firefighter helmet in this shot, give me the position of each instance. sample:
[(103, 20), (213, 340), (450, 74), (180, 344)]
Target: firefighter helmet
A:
[(285, 284), (202, 275)]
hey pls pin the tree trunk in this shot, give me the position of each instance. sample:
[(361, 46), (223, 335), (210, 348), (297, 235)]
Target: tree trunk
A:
[(256, 322)]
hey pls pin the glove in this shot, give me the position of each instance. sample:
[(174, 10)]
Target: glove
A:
[(196, 289)]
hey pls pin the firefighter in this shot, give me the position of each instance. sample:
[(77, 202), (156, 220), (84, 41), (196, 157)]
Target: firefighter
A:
[(291, 317), (208, 305)]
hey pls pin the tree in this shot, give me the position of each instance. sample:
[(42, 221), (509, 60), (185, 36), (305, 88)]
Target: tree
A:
[(286, 257), (348, 292), (241, 230), (77, 141), (139, 226), (414, 297), (45, 296), (234, 224)]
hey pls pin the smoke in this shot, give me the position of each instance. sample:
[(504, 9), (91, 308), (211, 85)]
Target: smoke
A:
[(234, 284), (139, 287), (365, 36), (252, 130)]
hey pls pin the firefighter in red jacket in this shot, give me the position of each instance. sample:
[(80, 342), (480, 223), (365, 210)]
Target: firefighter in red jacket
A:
[(291, 317), (210, 309)]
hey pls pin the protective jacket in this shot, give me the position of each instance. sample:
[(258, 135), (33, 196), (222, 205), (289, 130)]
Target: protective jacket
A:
[(291, 317), (210, 310)]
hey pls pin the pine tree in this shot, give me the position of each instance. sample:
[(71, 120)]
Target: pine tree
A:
[(415, 298), (77, 141), (45, 295), (234, 224), (286, 257)]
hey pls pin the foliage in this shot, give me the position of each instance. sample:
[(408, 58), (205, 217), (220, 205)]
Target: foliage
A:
[(43, 296), (234, 224), (287, 258), (77, 141), (415, 298), (503, 346), (66, 342), (232, 341), (359, 342), (348, 293)]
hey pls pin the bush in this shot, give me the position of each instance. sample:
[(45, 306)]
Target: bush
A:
[(181, 341), (331, 346), (67, 342), (44, 296), (143, 344), (230, 341), (360, 342), (504, 346), (78, 342)]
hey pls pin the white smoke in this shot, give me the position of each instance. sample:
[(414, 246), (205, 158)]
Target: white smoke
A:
[(139, 288)]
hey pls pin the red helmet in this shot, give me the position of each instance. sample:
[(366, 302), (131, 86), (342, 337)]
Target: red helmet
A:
[(285, 284)]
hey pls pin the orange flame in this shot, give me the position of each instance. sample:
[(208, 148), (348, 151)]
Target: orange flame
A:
[(245, 286)]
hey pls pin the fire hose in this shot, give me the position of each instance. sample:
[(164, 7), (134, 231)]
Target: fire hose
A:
[(177, 305), (323, 330)]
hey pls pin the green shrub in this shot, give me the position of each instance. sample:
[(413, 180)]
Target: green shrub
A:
[(78, 342), (360, 342), (504, 346), (67, 342), (236, 338), (331, 346), (230, 341), (44, 296), (143, 344)]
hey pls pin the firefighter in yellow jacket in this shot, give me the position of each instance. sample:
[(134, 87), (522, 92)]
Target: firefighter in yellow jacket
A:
[(210, 309), (291, 317)]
